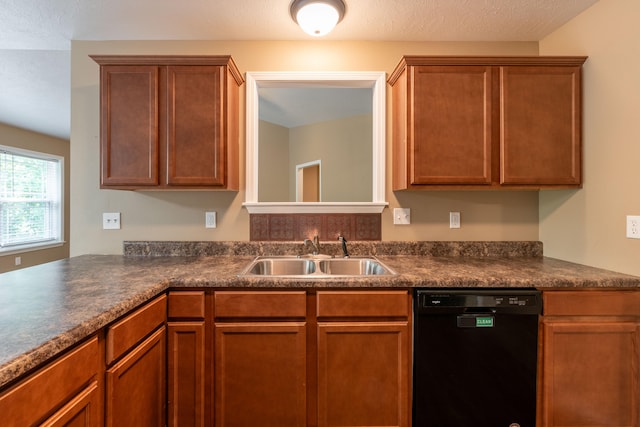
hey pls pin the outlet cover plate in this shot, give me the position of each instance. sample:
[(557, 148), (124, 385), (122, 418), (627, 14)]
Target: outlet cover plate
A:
[(633, 226), (210, 219), (454, 219)]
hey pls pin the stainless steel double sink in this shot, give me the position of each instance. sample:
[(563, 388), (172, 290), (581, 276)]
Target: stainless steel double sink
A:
[(314, 267)]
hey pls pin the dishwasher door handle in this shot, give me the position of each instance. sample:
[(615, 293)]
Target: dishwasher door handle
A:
[(479, 310)]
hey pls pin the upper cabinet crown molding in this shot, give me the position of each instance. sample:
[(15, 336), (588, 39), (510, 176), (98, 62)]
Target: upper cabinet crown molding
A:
[(487, 122), (169, 122), (414, 60), (224, 60)]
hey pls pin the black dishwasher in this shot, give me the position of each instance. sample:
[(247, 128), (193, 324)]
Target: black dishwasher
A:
[(475, 357)]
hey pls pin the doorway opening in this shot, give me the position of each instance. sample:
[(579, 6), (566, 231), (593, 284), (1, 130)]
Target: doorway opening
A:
[(308, 179)]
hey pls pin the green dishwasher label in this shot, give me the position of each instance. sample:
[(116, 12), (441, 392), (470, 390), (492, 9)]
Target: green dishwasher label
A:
[(484, 322)]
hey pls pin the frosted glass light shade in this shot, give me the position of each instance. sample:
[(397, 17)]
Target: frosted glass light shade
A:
[(318, 17)]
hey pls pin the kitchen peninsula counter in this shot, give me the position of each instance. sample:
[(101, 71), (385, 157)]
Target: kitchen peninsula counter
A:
[(48, 308)]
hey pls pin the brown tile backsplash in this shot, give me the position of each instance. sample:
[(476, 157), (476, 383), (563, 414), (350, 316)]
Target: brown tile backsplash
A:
[(295, 227)]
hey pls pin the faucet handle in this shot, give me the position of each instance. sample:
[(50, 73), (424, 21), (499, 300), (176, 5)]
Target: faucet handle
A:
[(342, 240)]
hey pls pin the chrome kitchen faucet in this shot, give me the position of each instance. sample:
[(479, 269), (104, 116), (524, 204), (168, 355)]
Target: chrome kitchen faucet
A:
[(315, 243)]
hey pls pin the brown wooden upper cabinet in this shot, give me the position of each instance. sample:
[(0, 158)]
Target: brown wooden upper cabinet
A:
[(486, 122), (168, 122)]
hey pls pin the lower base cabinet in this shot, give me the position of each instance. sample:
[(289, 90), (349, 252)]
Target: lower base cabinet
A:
[(591, 359), (260, 367), (320, 358), (260, 374), (363, 356), (67, 392), (325, 358), (135, 386), (135, 379), (186, 359), (363, 374)]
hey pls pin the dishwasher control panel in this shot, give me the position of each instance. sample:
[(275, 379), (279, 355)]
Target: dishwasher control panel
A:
[(521, 301)]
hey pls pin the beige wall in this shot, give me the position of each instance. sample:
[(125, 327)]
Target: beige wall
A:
[(20, 138), (588, 226), (273, 163), (180, 215), (344, 148)]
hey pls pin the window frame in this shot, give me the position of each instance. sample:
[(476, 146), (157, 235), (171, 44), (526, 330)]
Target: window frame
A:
[(59, 241)]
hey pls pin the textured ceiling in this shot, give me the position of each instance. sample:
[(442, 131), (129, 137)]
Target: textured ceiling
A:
[(35, 35)]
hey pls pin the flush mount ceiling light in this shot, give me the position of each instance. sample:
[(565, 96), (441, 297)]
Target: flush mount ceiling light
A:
[(317, 17)]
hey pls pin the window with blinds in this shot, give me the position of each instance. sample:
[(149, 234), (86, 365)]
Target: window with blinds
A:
[(30, 199)]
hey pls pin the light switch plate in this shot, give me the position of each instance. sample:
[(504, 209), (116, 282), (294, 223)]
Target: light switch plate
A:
[(401, 216), (111, 221)]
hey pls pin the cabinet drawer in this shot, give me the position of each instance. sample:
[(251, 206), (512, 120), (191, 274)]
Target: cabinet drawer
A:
[(232, 304), (31, 400), (591, 303), (363, 304), (125, 333), (186, 304)]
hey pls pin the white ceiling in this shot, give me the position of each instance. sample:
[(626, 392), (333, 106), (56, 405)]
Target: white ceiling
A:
[(35, 35)]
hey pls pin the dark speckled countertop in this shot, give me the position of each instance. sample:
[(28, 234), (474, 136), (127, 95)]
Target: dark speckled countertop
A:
[(48, 308)]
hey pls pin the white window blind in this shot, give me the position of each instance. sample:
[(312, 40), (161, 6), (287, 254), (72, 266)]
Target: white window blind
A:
[(30, 199)]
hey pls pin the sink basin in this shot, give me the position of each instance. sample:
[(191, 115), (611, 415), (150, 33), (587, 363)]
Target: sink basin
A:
[(316, 267), (354, 267), (281, 267)]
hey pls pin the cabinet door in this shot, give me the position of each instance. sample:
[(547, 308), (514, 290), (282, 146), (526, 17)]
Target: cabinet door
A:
[(129, 125), (82, 411), (363, 374), (186, 374), (260, 374), (540, 125), (590, 374), (451, 125), (195, 148), (135, 386), (56, 384)]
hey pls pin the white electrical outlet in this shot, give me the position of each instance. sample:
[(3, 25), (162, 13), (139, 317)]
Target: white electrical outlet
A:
[(18, 260), (454, 219), (401, 216), (633, 227), (210, 219), (111, 221)]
